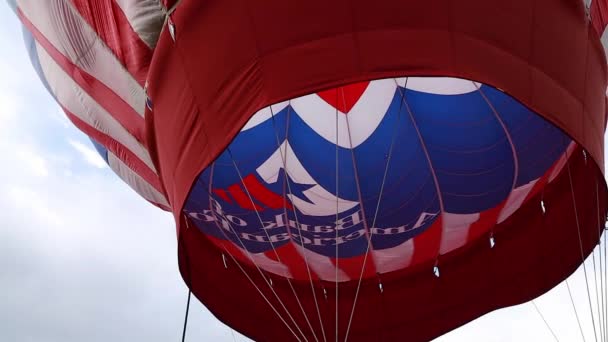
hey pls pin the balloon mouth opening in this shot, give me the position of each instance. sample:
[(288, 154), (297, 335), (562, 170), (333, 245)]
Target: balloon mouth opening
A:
[(374, 177)]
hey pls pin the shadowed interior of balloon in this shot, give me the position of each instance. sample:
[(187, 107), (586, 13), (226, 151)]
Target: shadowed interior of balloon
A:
[(374, 177)]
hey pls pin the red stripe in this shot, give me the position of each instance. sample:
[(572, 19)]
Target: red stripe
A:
[(168, 3), (344, 98), (262, 194), (113, 27), (487, 220), (223, 195), (123, 153), (232, 249), (242, 199), (294, 261), (104, 96), (599, 15), (427, 244), (352, 266)]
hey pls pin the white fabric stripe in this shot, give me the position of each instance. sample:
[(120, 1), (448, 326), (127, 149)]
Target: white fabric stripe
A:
[(63, 26), (456, 230), (321, 265), (268, 264), (146, 17), (364, 117), (135, 181), (515, 200), (604, 39), (79, 103), (562, 161), (395, 258)]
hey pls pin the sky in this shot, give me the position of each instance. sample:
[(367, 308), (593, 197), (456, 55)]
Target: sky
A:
[(84, 258)]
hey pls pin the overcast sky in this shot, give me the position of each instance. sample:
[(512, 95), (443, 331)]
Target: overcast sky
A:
[(83, 258)]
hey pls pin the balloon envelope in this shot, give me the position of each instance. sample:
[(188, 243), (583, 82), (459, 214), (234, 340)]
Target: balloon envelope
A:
[(346, 170)]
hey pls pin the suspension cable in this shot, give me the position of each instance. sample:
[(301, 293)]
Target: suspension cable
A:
[(304, 253), (274, 249), (337, 313), (390, 154), (209, 191), (544, 320), (186, 315), (578, 229)]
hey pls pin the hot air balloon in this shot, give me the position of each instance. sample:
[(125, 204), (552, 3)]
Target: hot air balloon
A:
[(346, 170)]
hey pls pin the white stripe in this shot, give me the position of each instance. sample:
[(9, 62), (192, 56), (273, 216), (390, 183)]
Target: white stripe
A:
[(268, 264), (146, 18), (363, 118), (79, 103), (561, 162), (439, 85), (321, 265), (135, 181), (604, 39), (456, 230), (69, 33), (264, 114), (395, 258), (515, 200)]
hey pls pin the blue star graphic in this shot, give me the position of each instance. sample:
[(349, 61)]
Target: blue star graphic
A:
[(297, 189)]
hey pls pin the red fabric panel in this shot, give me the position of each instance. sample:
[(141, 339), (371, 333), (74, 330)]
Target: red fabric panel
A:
[(599, 15), (104, 96), (107, 19), (169, 3), (265, 196)]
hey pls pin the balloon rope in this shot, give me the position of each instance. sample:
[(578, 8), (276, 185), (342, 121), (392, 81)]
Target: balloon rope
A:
[(509, 139), (507, 134), (604, 280), (186, 315), (275, 251), (337, 218), (213, 212), (431, 168), (598, 294), (602, 262), (544, 320), (605, 291), (189, 275), (580, 327), (580, 242), (367, 251), (283, 153), (233, 336)]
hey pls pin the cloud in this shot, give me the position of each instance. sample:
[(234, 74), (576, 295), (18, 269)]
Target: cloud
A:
[(31, 160), (9, 105), (90, 155)]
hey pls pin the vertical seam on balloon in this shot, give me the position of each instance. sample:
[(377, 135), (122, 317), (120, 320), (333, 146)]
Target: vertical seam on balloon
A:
[(432, 170), (369, 234), (507, 134)]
